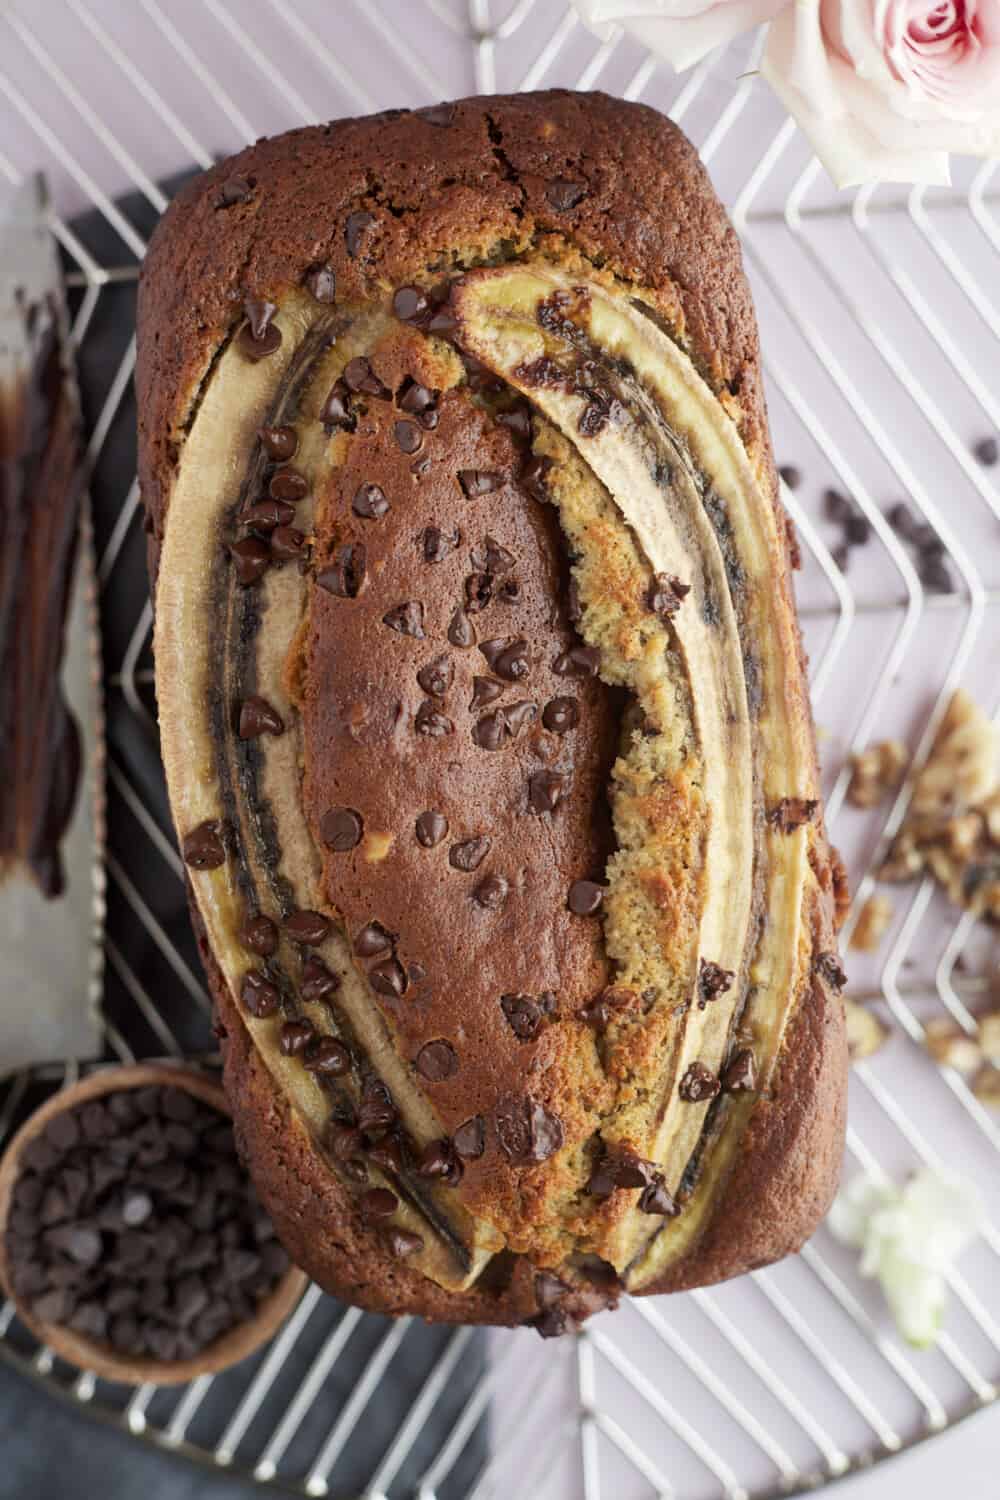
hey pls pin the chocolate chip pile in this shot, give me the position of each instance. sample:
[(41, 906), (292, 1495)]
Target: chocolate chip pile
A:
[(133, 1224)]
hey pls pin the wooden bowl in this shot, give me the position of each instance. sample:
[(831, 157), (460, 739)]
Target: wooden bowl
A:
[(87, 1353)]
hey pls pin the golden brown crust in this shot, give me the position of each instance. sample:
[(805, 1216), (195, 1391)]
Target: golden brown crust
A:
[(483, 181)]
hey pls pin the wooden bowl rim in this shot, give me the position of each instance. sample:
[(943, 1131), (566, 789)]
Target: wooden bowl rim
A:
[(100, 1358)]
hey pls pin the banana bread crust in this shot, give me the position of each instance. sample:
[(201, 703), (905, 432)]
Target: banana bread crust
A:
[(414, 187)]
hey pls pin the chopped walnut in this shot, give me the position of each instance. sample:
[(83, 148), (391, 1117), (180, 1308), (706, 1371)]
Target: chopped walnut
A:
[(952, 828), (989, 1037), (952, 1047), (877, 771), (876, 914), (865, 1032), (986, 1086)]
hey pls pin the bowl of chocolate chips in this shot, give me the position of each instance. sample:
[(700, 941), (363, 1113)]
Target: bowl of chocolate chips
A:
[(131, 1239)]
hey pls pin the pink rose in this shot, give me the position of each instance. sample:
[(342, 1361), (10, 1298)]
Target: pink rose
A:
[(884, 89), (682, 31)]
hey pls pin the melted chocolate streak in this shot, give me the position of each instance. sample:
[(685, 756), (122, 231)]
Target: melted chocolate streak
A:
[(608, 385), (234, 678), (40, 494)]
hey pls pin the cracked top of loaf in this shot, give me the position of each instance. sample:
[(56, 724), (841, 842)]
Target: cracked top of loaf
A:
[(484, 711)]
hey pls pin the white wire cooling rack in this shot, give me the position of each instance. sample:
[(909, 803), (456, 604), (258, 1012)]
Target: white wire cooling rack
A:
[(880, 319)]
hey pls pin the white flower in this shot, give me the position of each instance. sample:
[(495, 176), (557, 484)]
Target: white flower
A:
[(681, 31), (908, 1237)]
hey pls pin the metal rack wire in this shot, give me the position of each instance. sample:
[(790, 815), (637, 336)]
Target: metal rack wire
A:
[(881, 340)]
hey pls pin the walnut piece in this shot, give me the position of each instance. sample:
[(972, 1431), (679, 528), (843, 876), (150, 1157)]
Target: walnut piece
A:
[(865, 1032), (877, 771), (876, 914)]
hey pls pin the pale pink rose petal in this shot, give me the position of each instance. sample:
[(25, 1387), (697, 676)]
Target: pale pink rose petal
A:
[(680, 31), (864, 124)]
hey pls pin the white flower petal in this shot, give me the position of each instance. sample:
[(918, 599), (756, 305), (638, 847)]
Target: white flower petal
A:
[(680, 31), (855, 1206)]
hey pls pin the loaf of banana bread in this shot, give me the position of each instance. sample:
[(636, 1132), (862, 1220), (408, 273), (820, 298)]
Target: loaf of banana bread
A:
[(484, 709)]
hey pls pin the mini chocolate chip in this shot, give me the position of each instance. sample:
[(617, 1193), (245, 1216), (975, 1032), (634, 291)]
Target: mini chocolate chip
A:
[(665, 595), (402, 1242), (478, 592), (585, 898), (317, 980), (355, 227), (901, 519), (377, 1113), (431, 722), (295, 1037), (485, 690), (927, 541), (512, 663), (387, 978), (574, 610), (563, 194), (266, 515), (469, 854), (360, 378), (439, 1160), (309, 927), (437, 676), (321, 283), (857, 530), (370, 503), (533, 475), (935, 577), (494, 730), (519, 714), (713, 980), (251, 557), (204, 848), (408, 435), (260, 935), (476, 482), (409, 303), (260, 997), (378, 1203), (523, 1016), (460, 629), (288, 484), (837, 507), (345, 576), (279, 443), (372, 940), (545, 790), (841, 556), (258, 717), (336, 409), (656, 1199), (791, 475), (740, 1074), (254, 348), (287, 543), (436, 1061), (442, 322), (491, 892), (415, 399), (987, 451), (561, 714), (341, 829), (517, 422), (469, 1139), (698, 1084), (598, 1012), (235, 190), (828, 965), (526, 1130), (431, 829), (578, 661), (790, 813), (406, 619), (259, 313), (327, 1056), (491, 557), (437, 544)]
